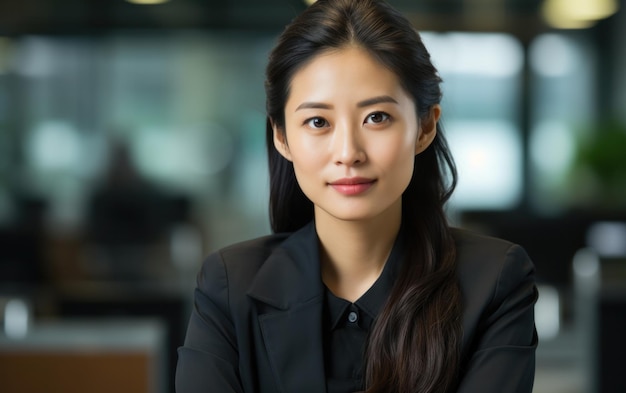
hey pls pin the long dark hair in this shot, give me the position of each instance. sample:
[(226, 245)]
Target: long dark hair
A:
[(414, 346)]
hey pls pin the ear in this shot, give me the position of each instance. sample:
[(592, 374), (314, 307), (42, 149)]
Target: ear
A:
[(428, 129), (280, 142)]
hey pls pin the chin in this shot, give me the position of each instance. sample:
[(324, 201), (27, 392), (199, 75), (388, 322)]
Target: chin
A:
[(361, 214)]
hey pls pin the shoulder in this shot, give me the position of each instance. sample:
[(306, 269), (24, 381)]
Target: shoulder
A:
[(248, 254), (251, 251), (267, 268), (237, 264), (497, 280), (490, 268), (486, 253), (474, 244)]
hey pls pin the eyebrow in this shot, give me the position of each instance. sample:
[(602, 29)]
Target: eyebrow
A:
[(360, 104), (313, 105), (376, 100)]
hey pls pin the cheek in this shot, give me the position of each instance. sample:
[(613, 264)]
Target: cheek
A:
[(308, 174), (307, 152), (396, 152), (306, 161), (405, 165), (398, 162)]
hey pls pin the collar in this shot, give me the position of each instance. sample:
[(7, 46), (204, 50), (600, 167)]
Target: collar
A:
[(373, 300), (291, 274)]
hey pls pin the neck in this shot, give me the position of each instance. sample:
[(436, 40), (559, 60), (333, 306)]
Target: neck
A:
[(353, 253)]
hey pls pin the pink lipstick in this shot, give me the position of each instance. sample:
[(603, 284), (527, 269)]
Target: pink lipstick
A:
[(352, 185)]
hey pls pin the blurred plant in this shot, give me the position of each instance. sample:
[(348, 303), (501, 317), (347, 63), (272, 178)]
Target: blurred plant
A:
[(600, 165)]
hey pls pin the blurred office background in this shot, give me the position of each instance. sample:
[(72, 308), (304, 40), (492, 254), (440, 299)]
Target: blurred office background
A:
[(132, 144)]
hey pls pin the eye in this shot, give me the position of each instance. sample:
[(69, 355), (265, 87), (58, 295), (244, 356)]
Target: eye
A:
[(377, 117), (316, 122)]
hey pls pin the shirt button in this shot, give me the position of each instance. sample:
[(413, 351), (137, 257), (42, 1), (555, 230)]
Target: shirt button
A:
[(352, 317)]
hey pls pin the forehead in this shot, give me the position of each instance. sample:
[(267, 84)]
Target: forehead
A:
[(346, 70)]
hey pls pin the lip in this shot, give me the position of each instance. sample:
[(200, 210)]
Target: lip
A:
[(352, 185)]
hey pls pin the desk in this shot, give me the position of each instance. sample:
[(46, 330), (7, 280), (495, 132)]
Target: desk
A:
[(80, 356)]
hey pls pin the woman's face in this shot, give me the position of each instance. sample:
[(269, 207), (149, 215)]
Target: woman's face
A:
[(352, 133)]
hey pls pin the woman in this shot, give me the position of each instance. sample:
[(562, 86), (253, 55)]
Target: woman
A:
[(363, 286)]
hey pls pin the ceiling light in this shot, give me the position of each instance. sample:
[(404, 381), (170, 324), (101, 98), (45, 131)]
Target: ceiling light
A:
[(577, 13)]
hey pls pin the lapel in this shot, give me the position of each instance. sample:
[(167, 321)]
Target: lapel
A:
[(290, 282)]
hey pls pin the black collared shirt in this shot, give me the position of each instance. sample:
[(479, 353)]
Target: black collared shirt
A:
[(347, 325)]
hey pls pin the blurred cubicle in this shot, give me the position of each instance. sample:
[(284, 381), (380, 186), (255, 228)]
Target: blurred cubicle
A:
[(132, 144)]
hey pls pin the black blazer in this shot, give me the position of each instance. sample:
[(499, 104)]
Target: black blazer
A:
[(256, 325)]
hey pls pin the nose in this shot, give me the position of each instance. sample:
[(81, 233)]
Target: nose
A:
[(348, 147)]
